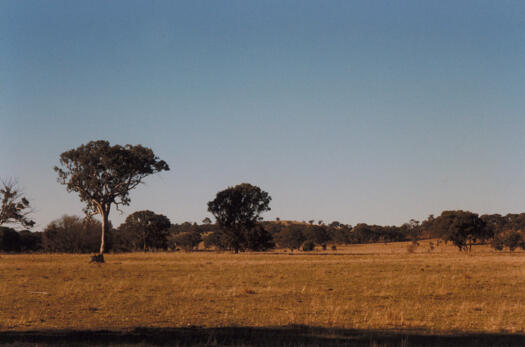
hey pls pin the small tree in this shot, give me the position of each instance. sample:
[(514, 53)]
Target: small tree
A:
[(512, 240), (146, 230), (466, 229), (15, 207), (463, 228), (237, 210), (103, 176)]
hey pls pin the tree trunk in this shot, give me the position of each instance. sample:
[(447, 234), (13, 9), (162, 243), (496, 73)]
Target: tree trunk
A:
[(105, 227)]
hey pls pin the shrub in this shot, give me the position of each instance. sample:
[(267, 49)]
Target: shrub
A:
[(72, 234), (411, 248), (497, 243), (9, 240), (510, 239), (309, 246)]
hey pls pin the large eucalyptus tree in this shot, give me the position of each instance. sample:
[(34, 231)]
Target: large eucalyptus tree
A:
[(103, 175)]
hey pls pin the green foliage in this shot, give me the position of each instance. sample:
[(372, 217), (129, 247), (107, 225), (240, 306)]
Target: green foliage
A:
[(494, 223), (145, 230), (463, 228), (510, 239), (237, 211), (103, 175)]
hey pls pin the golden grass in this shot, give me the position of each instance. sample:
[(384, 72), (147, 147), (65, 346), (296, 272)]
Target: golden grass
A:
[(359, 287)]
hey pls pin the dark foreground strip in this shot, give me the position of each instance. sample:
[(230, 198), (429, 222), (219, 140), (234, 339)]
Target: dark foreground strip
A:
[(249, 336)]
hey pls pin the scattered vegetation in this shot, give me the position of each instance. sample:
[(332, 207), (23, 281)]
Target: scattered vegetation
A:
[(398, 277), (14, 208)]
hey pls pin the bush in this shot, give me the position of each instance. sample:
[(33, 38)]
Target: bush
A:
[(309, 246), (510, 239), (497, 243), (30, 241), (411, 248), (72, 234), (9, 240)]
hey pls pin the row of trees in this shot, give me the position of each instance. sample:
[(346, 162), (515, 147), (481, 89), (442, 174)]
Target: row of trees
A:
[(103, 176), (148, 231)]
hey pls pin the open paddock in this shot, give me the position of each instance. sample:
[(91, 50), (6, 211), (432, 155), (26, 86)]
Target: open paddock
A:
[(373, 287)]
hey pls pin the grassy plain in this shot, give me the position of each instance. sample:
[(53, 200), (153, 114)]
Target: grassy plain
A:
[(356, 287)]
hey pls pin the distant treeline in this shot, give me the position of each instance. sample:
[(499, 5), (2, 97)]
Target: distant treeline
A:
[(147, 231)]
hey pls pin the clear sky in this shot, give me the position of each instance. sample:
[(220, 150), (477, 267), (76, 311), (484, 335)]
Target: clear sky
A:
[(356, 111)]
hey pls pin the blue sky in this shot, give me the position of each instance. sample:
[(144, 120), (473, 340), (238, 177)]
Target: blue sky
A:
[(356, 111)]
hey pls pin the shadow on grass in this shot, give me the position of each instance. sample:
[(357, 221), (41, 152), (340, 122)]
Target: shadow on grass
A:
[(251, 336)]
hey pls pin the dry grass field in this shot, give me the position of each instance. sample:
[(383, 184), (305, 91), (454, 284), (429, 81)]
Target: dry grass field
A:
[(364, 287)]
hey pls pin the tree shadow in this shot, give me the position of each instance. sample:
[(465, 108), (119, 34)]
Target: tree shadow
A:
[(253, 336)]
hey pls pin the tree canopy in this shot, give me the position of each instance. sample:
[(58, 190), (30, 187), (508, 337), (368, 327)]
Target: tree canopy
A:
[(463, 228), (103, 175), (146, 230), (237, 210)]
